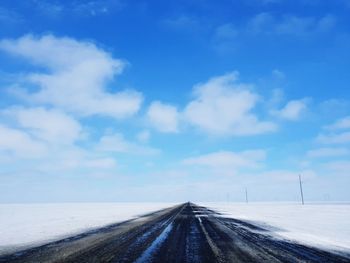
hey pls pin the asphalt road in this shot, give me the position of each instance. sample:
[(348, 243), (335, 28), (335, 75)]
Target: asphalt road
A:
[(185, 233)]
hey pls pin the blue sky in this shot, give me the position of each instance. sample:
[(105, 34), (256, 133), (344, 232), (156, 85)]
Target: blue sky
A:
[(118, 100)]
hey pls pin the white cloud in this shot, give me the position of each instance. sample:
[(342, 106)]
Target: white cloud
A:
[(340, 167), (287, 175), (260, 23), (47, 137), (100, 163), (19, 143), (76, 76), (327, 152), (343, 123), (228, 160), (292, 110), (94, 8), (336, 133), (73, 160), (143, 136), (222, 106), (266, 23), (117, 143), (163, 117), (277, 96), (82, 8), (334, 138), (50, 125)]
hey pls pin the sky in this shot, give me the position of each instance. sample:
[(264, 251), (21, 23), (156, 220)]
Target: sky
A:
[(148, 101)]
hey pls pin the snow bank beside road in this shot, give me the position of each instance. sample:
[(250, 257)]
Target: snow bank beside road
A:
[(24, 224), (321, 225)]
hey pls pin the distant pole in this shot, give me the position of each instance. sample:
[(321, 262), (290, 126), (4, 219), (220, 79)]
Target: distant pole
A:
[(301, 190), (246, 195)]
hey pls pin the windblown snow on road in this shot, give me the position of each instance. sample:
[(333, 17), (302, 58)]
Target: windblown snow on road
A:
[(324, 225), (182, 233), (33, 224)]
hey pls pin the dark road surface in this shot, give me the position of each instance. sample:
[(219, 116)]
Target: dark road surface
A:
[(185, 233)]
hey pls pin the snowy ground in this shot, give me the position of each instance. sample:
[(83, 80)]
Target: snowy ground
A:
[(321, 225), (32, 224)]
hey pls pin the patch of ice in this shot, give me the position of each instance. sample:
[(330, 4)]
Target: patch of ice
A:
[(147, 254)]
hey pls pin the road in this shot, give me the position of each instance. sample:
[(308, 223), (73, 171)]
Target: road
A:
[(184, 233)]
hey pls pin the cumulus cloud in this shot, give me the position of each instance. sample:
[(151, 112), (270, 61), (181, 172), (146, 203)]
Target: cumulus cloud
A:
[(292, 110), (163, 117), (50, 125), (19, 143), (32, 132), (46, 137), (337, 133), (223, 106), (75, 77)]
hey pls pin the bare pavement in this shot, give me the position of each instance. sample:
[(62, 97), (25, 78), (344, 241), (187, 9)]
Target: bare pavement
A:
[(184, 233)]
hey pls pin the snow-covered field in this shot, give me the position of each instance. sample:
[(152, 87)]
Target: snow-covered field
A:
[(32, 224), (321, 225)]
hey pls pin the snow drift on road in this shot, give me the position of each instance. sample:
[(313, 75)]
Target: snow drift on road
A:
[(322, 225), (33, 224)]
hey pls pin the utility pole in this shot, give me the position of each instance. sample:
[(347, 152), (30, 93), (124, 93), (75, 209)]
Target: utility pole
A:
[(301, 190), (246, 195)]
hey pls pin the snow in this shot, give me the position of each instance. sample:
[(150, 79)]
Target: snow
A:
[(24, 225), (322, 225)]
